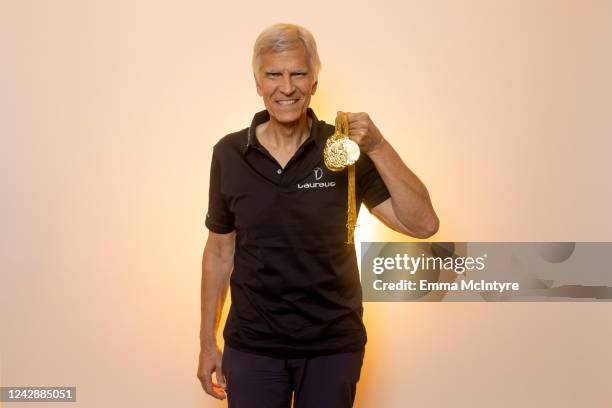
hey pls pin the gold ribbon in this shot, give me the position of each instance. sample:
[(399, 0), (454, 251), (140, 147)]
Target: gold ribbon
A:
[(341, 152)]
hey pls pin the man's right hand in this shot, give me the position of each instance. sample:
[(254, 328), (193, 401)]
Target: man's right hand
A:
[(210, 360)]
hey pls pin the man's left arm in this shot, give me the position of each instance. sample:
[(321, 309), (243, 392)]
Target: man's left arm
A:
[(409, 209)]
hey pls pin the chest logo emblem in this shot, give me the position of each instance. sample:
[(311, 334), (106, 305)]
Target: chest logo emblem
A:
[(318, 175)]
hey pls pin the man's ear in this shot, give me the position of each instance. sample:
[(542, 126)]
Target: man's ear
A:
[(257, 85), (314, 87)]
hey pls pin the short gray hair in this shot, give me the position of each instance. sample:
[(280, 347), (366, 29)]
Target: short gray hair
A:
[(282, 37)]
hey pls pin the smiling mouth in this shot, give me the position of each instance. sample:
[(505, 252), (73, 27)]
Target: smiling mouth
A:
[(287, 101)]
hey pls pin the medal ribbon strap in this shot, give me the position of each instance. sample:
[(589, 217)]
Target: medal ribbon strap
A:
[(352, 206), (342, 129), (341, 152)]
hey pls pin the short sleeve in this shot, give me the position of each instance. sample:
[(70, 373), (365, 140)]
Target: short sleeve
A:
[(219, 218), (371, 187)]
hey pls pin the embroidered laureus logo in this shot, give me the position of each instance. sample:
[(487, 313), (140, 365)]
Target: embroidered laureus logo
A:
[(318, 174)]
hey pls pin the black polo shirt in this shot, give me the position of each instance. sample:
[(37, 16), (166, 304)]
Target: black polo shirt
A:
[(295, 286)]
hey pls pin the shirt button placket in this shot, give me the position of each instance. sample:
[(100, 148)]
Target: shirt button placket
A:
[(279, 176)]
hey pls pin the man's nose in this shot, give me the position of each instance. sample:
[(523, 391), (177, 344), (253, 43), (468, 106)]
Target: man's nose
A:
[(287, 85)]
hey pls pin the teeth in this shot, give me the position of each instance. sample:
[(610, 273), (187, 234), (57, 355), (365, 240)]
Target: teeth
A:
[(289, 102)]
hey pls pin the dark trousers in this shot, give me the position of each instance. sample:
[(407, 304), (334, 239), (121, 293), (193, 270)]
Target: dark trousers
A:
[(256, 381)]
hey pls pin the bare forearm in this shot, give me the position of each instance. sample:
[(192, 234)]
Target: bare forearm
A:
[(409, 196), (216, 272)]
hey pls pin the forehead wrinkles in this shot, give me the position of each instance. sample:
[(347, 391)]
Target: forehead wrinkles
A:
[(285, 60)]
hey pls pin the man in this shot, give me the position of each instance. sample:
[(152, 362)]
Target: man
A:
[(277, 220)]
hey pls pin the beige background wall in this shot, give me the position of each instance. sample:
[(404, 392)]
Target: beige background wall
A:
[(109, 110)]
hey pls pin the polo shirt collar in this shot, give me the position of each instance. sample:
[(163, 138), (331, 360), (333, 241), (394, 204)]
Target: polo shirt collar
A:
[(264, 116)]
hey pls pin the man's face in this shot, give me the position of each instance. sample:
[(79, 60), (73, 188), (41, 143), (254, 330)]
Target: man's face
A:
[(286, 84)]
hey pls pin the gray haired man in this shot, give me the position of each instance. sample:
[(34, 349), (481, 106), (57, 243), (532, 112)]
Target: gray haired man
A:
[(277, 219)]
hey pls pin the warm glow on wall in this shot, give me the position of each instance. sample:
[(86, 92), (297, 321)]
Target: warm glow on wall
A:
[(108, 114)]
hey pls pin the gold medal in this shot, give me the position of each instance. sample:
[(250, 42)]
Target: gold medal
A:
[(341, 152)]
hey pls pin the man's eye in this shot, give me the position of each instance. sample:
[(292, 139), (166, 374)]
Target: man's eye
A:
[(273, 74), (300, 74)]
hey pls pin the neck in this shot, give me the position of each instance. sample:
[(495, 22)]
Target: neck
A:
[(285, 135)]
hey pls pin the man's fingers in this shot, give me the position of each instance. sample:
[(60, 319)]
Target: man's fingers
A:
[(212, 388), (219, 392), (358, 131), (357, 120), (362, 117), (206, 381), (220, 377)]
